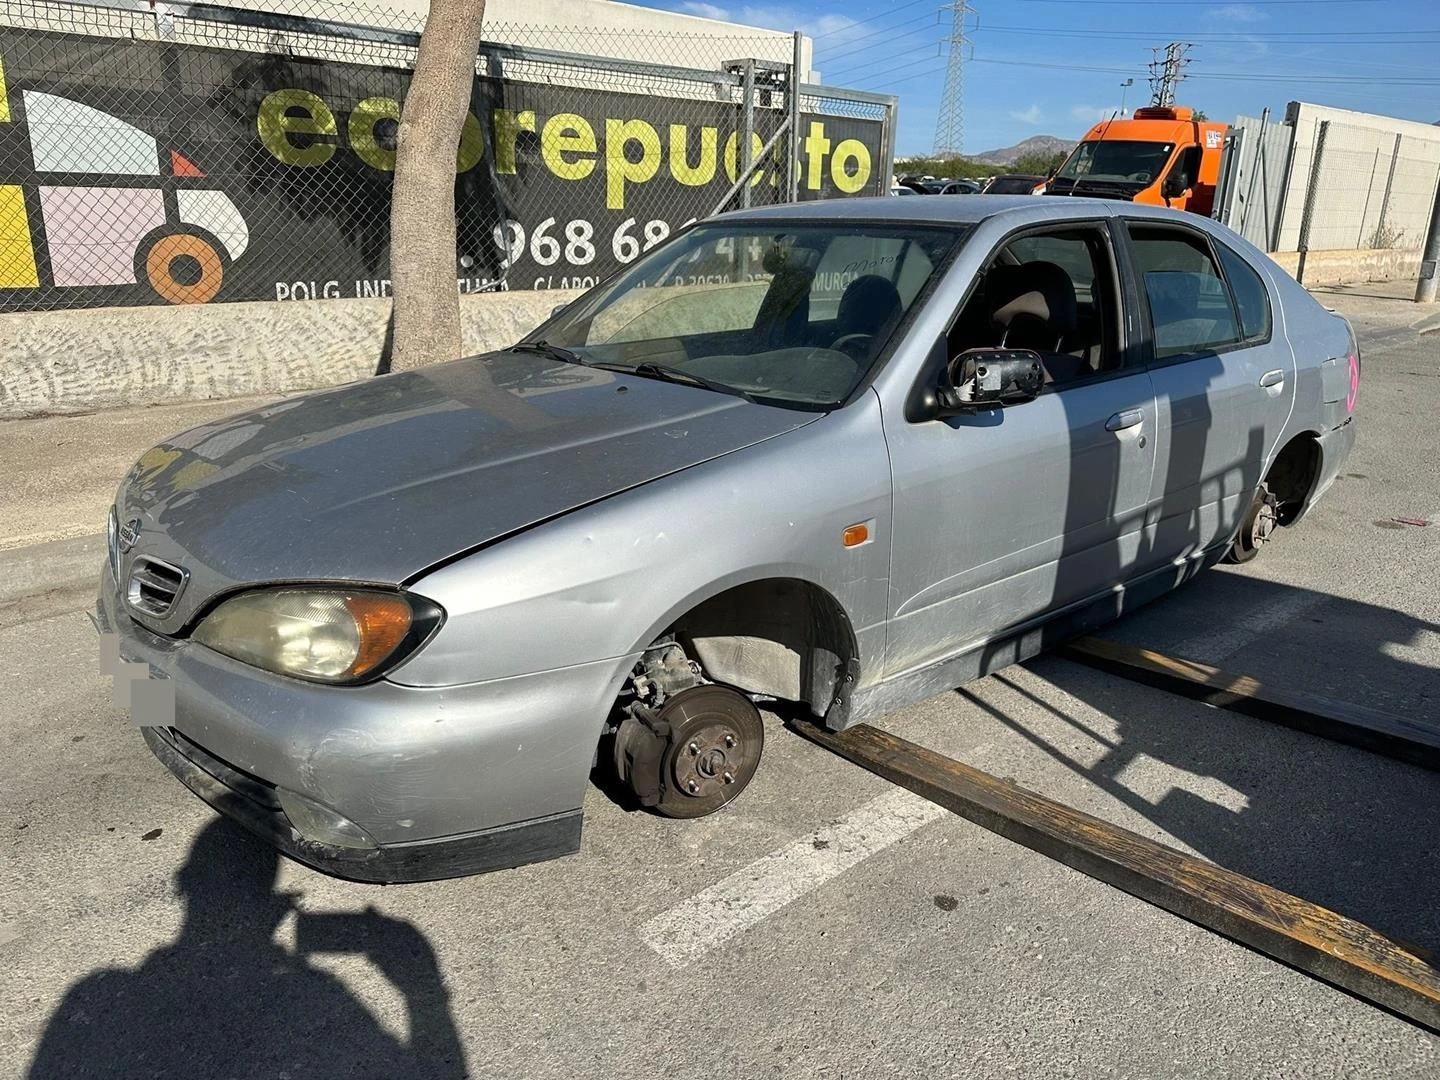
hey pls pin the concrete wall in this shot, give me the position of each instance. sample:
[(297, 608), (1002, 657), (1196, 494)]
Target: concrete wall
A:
[(1354, 173), (78, 361), (1347, 267), (590, 27)]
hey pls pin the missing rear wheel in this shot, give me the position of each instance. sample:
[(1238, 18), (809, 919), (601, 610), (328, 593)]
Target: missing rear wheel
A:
[(1260, 523)]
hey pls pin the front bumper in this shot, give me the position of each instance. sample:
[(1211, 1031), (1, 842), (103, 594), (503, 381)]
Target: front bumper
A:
[(251, 803), (446, 780)]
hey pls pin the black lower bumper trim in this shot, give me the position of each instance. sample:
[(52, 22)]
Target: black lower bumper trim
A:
[(432, 860)]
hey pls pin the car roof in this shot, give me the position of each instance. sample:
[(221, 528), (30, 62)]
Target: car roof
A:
[(967, 211), (912, 211)]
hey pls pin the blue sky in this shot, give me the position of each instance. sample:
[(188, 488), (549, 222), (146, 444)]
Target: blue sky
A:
[(1034, 61)]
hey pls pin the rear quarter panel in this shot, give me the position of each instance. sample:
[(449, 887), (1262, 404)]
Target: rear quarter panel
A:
[(1327, 373)]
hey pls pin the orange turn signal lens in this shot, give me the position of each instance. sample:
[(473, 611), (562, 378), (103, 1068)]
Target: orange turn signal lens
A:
[(855, 535), (381, 622)]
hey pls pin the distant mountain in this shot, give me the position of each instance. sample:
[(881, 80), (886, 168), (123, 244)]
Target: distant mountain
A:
[(1036, 144)]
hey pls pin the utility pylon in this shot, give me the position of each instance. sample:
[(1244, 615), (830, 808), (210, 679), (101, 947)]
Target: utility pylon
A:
[(950, 124), (1166, 73)]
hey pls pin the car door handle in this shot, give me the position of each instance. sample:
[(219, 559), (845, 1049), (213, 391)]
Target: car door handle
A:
[(1122, 420), (1272, 378)]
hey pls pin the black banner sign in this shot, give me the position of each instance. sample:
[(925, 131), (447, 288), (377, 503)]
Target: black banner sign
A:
[(139, 172)]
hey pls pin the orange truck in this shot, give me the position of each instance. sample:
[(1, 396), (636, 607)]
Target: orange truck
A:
[(1162, 156)]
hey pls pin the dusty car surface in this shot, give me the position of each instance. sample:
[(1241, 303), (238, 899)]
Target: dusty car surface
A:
[(840, 455)]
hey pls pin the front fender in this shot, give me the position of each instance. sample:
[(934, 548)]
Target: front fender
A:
[(604, 581)]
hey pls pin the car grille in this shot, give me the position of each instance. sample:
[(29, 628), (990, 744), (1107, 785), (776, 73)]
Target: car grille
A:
[(154, 586), (112, 544)]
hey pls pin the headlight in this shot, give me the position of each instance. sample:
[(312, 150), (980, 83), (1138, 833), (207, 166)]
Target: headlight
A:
[(329, 635)]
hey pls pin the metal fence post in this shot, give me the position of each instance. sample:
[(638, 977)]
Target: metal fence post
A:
[(792, 176), (1369, 190), (1255, 167), (1286, 179), (1307, 215), (1429, 280), (892, 121), (1389, 186), (747, 128)]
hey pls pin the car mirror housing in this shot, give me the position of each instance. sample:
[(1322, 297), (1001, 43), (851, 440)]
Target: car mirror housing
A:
[(1174, 186), (987, 378)]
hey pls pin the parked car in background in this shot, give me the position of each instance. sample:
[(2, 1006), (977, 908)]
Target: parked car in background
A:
[(941, 187), (842, 454), (960, 187), (898, 188), (1015, 184)]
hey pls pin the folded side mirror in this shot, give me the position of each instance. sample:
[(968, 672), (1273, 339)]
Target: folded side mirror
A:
[(985, 378)]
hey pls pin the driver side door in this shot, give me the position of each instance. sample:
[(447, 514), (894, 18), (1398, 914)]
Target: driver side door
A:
[(1005, 515)]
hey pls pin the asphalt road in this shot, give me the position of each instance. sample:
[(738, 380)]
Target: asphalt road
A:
[(846, 930)]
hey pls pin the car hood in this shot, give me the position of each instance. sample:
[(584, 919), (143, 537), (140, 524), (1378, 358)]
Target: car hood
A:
[(379, 480)]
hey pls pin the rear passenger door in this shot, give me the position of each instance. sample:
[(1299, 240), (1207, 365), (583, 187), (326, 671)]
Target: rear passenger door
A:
[(1221, 387)]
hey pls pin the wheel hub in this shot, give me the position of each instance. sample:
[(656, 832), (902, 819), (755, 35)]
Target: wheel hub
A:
[(1264, 523), (709, 761)]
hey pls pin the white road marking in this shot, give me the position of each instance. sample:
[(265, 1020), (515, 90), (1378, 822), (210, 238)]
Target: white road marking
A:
[(1212, 647), (708, 919)]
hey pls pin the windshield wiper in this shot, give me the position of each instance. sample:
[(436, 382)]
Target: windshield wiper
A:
[(554, 352), (666, 373)]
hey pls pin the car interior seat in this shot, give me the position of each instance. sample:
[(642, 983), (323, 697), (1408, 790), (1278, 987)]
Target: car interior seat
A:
[(870, 305), (784, 315), (1033, 306)]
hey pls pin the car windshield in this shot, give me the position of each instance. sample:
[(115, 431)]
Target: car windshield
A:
[(1122, 161), (784, 314)]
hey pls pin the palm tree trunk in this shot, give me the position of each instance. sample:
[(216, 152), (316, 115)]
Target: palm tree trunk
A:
[(425, 317)]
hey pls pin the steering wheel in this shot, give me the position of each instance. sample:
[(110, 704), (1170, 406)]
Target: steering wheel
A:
[(847, 344)]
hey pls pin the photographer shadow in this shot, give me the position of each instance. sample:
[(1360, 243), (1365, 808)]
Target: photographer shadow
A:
[(225, 998)]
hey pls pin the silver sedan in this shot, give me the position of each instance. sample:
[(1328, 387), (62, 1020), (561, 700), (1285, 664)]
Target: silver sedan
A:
[(836, 456)]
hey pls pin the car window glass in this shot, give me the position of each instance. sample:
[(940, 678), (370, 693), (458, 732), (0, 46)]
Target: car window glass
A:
[(1251, 296), (851, 257), (915, 270), (1190, 307), (716, 287), (793, 313), (1069, 252), (1051, 292)]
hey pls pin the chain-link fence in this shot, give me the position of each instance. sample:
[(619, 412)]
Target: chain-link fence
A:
[(1367, 189), (205, 152)]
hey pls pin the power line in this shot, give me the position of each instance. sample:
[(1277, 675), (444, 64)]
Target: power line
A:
[(885, 34), (1190, 4), (1278, 36), (950, 122), (909, 56), (1220, 76), (872, 18), (879, 56)]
